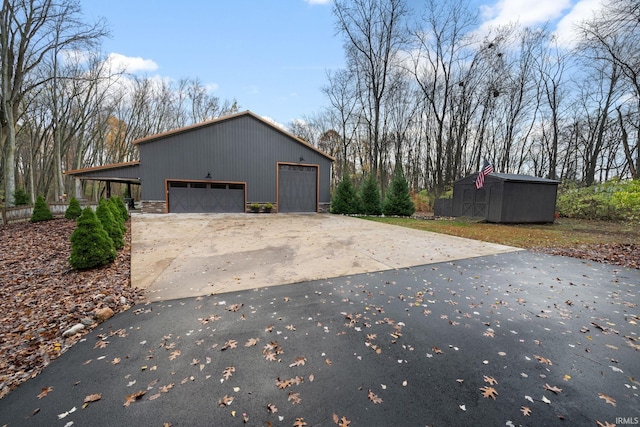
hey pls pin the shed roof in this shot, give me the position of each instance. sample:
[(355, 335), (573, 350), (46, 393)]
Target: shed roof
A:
[(511, 177), (156, 137), (522, 178), (127, 172)]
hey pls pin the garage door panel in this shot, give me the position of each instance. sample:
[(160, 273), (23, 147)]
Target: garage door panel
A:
[(297, 188), (197, 197)]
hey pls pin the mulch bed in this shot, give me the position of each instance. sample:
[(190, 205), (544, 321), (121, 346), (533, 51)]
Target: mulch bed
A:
[(41, 296)]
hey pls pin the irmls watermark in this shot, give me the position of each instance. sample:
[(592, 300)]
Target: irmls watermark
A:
[(627, 421)]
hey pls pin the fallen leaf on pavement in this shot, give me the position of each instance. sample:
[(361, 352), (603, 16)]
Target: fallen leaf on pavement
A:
[(374, 398), (133, 397), (489, 392), (610, 400), (44, 392)]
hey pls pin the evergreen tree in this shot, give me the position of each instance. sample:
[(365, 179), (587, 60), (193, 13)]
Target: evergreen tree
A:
[(41, 211), (20, 197), (74, 210), (117, 214), (345, 200), (370, 196), (110, 224), (398, 200), (124, 212), (91, 246)]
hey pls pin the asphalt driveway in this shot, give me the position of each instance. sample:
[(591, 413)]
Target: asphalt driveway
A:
[(509, 338)]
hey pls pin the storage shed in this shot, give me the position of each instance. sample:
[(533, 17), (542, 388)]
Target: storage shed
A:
[(506, 198), (224, 165)]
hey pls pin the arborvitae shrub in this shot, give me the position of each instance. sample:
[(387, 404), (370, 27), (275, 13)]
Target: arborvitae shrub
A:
[(117, 215), (345, 200), (20, 197), (109, 223), (41, 211), (398, 200), (91, 246), (73, 210), (124, 212), (370, 197)]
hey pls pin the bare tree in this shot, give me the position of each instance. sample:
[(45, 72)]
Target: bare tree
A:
[(442, 45), (374, 34), (614, 36), (343, 100), (30, 30)]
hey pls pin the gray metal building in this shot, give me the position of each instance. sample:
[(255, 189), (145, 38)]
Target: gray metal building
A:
[(506, 198), (224, 165)]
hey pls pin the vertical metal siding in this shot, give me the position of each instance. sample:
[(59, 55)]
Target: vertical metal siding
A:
[(240, 149)]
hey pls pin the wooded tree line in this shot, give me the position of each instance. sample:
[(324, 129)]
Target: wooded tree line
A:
[(425, 89), (64, 105), (422, 88)]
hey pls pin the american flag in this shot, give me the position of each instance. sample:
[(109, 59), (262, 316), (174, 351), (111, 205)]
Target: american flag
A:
[(487, 168)]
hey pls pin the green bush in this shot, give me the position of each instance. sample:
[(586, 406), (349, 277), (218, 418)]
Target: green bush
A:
[(110, 224), (345, 200), (117, 214), (73, 210), (398, 200), (612, 200), (370, 197), (41, 211), (91, 246), (21, 197), (124, 212)]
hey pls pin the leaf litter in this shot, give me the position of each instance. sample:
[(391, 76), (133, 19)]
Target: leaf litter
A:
[(364, 323)]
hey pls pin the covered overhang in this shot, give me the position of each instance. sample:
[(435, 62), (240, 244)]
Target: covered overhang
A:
[(125, 173)]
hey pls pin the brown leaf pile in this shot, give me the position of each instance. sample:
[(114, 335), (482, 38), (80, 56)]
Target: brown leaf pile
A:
[(41, 296), (623, 254)]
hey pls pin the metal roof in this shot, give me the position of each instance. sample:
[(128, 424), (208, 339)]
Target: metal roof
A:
[(111, 172), (522, 178), (511, 177), (156, 137)]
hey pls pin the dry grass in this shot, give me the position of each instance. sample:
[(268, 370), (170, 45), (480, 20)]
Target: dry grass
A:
[(564, 233)]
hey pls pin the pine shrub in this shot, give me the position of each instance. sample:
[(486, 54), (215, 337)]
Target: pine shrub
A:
[(109, 223), (124, 212), (398, 200), (117, 214), (41, 211), (73, 210), (345, 200), (91, 246), (20, 197), (370, 196)]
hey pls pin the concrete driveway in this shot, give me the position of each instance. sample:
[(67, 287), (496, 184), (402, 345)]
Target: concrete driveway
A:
[(183, 255)]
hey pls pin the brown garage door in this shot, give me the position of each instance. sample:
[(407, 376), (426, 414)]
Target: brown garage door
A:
[(205, 197)]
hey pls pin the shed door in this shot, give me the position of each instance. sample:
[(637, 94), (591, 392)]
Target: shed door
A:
[(205, 197), (474, 202), (297, 188)]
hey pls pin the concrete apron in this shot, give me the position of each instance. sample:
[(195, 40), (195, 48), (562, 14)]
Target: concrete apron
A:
[(183, 255)]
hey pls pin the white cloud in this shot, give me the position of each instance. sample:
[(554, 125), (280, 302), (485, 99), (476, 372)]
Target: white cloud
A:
[(525, 12), (131, 64), (582, 11), (274, 122), (318, 1), (212, 87)]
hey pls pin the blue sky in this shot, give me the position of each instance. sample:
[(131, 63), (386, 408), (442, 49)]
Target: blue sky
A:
[(271, 55)]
